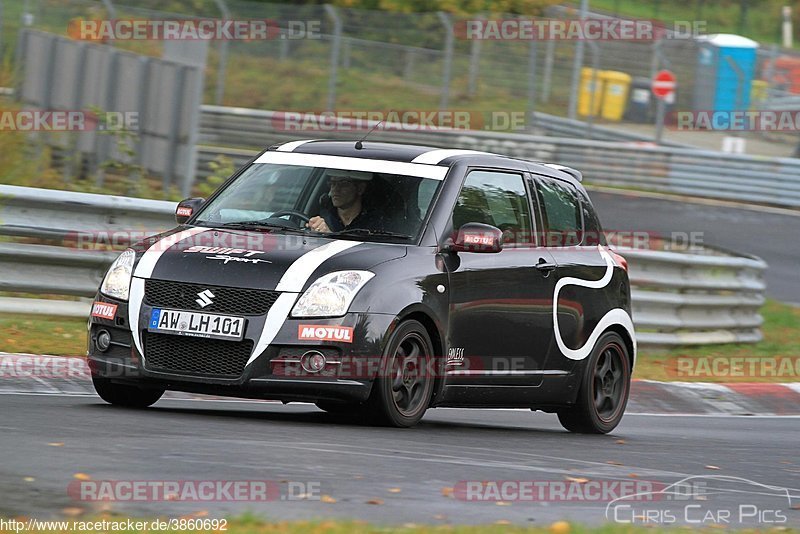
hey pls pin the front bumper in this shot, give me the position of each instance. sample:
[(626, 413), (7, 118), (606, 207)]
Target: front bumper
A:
[(276, 373)]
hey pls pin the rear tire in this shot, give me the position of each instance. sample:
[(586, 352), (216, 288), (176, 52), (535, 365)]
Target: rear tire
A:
[(125, 395), (402, 392), (604, 389)]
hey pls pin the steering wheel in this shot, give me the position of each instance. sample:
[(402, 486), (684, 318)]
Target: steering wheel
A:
[(292, 213)]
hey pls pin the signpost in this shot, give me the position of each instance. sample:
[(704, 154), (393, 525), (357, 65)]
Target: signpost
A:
[(663, 87)]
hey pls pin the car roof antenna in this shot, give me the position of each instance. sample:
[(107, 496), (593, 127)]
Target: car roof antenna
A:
[(360, 142)]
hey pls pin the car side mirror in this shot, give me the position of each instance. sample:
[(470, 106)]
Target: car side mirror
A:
[(187, 208), (477, 237)]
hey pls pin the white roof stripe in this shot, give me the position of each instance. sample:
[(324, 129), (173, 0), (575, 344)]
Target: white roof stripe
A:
[(354, 164), (435, 156), (289, 147)]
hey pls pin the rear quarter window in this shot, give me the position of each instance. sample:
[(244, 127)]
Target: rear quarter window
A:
[(592, 230), (562, 213)]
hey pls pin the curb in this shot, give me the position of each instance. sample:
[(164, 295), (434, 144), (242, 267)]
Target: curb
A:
[(707, 398), (59, 375)]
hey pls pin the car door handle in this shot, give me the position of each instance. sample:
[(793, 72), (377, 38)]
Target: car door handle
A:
[(545, 267)]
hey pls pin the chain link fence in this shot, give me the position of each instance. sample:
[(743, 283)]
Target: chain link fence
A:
[(341, 59), (410, 61)]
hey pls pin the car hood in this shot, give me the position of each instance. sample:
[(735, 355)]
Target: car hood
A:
[(255, 260)]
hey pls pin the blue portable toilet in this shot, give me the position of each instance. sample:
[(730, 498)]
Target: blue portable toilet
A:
[(726, 65)]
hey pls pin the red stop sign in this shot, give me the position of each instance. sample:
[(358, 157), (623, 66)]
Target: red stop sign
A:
[(663, 84)]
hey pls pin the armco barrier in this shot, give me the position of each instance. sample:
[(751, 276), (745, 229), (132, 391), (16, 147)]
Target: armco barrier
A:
[(690, 297), (618, 163)]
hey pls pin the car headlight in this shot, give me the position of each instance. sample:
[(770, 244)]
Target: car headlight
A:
[(117, 282), (331, 295)]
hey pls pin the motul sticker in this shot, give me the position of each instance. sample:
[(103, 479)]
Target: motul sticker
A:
[(478, 239), (104, 310), (342, 334), (184, 211)]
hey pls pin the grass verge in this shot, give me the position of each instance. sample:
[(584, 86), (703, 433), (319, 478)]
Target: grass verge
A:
[(38, 334), (719, 363), (734, 362)]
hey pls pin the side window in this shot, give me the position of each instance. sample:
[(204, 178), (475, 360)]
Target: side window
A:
[(498, 199), (561, 213)]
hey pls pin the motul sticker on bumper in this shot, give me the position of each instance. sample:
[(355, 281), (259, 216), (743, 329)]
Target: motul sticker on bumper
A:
[(104, 310), (342, 334)]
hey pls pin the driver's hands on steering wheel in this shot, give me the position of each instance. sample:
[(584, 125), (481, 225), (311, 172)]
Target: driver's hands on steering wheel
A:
[(318, 224)]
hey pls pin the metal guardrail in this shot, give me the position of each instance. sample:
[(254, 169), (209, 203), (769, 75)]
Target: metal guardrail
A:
[(555, 126), (678, 297), (686, 171), (695, 297)]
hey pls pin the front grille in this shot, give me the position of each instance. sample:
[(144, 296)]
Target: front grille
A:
[(185, 355), (231, 300)]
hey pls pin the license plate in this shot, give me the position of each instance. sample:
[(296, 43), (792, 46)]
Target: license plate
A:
[(186, 323)]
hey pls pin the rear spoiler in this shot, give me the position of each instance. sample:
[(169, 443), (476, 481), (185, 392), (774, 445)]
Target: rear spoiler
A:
[(568, 170)]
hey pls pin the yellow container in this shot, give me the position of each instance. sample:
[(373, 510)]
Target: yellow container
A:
[(758, 91), (615, 94), (590, 97)]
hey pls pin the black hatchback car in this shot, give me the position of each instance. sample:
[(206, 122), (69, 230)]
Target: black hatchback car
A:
[(376, 279)]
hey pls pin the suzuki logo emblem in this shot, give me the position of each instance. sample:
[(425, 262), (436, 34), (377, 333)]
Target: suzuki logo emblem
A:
[(205, 298)]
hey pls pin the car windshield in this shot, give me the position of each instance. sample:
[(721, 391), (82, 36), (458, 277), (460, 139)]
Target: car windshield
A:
[(368, 206)]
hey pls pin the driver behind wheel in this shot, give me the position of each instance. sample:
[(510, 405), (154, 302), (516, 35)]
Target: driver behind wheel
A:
[(345, 209)]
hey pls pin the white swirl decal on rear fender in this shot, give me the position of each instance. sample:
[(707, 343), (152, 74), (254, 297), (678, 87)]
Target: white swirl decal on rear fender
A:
[(615, 316)]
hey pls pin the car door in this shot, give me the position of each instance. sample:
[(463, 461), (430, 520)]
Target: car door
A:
[(500, 325), (572, 235)]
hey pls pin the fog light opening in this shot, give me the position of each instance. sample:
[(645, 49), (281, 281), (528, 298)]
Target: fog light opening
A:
[(313, 361), (103, 340)]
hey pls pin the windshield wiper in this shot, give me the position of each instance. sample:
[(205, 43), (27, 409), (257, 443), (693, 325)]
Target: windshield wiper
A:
[(365, 231), (248, 225)]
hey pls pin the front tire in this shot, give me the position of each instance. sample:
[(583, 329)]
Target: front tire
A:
[(604, 389), (125, 395), (402, 392)]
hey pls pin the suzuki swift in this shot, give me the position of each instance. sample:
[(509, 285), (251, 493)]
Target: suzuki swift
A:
[(378, 280)]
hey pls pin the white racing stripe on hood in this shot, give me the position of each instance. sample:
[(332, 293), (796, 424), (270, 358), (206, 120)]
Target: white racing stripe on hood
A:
[(135, 299), (290, 285), (144, 269), (615, 316), (298, 272), (149, 259)]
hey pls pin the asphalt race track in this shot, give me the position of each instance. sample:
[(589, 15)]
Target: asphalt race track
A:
[(353, 464), (771, 236)]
